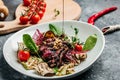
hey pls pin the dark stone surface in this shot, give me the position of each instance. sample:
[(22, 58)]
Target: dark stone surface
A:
[(107, 67)]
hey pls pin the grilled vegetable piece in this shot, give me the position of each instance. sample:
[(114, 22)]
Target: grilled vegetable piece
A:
[(31, 63), (55, 30), (90, 42), (81, 56), (30, 43), (21, 46), (65, 69), (44, 70), (49, 34)]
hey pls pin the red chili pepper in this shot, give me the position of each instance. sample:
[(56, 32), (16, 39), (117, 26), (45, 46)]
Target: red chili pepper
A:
[(94, 17)]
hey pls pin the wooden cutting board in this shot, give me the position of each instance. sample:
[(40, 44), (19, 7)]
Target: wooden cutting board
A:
[(72, 11)]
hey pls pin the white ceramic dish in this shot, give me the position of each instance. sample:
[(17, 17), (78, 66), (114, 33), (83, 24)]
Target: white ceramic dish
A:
[(85, 29)]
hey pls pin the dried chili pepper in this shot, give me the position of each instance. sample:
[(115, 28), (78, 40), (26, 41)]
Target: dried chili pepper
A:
[(94, 17)]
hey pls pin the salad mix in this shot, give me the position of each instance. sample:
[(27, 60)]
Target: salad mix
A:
[(53, 53)]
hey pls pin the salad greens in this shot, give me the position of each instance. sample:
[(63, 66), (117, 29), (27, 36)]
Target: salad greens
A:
[(30, 43), (75, 38), (59, 53), (55, 30), (90, 42)]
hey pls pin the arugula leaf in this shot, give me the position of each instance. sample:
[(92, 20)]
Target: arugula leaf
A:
[(30, 43), (55, 29), (90, 42)]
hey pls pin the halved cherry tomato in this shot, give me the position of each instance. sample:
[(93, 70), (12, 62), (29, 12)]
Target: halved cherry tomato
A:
[(23, 55), (24, 19), (78, 47), (35, 19), (27, 2)]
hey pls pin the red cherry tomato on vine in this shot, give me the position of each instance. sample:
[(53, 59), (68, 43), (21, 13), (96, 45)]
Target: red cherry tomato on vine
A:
[(78, 47), (35, 1), (42, 8), (23, 55), (43, 4), (35, 19), (40, 13), (33, 6), (32, 9), (27, 2), (24, 19)]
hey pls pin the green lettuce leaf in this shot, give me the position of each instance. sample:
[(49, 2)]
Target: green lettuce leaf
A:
[(55, 30), (90, 42), (30, 43)]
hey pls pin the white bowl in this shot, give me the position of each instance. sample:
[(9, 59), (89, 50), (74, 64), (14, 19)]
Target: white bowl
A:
[(85, 30)]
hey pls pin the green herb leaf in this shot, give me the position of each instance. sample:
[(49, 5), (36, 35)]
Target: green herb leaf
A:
[(75, 40), (55, 29), (30, 43), (55, 69), (76, 31), (57, 12), (90, 42)]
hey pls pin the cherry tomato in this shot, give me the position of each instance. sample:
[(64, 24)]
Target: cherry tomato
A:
[(43, 4), (42, 8), (40, 13), (34, 6), (35, 2), (78, 47), (35, 19), (32, 9), (23, 55), (27, 2), (24, 19)]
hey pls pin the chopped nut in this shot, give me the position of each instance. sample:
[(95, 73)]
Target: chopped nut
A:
[(44, 42)]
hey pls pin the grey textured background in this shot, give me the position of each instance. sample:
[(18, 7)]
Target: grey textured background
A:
[(107, 67)]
